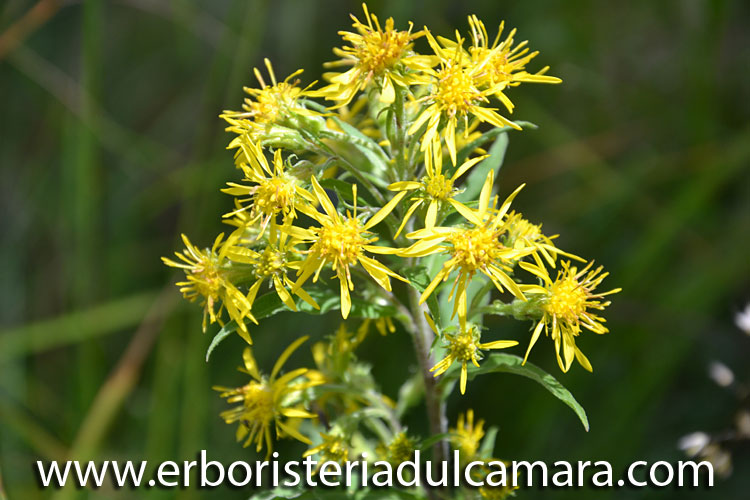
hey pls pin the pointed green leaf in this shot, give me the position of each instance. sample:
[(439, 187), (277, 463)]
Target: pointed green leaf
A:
[(478, 174), (427, 443), (509, 363), (487, 449), (410, 393), (480, 141)]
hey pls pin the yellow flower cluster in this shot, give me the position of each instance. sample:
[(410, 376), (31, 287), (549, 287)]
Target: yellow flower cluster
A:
[(268, 402), (467, 437), (336, 207)]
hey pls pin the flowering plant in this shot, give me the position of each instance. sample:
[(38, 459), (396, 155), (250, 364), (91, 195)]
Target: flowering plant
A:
[(384, 206)]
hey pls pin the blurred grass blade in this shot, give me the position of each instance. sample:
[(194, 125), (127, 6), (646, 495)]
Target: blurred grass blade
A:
[(25, 426), (74, 327), (2, 488), (120, 383)]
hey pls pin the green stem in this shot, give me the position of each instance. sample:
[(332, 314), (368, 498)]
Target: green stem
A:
[(477, 300), (522, 310), (422, 337), (350, 139), (399, 139), (354, 171)]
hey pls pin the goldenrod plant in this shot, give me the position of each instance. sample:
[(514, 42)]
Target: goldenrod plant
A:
[(373, 194)]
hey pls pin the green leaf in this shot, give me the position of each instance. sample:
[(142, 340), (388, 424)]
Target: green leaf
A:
[(410, 393), (343, 190), (478, 174), (467, 150), (354, 132), (364, 144), (269, 304), (478, 294), (509, 363), (427, 443), (420, 280), (521, 310), (225, 332), (487, 449)]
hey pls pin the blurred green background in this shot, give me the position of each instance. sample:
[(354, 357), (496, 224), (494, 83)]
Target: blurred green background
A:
[(110, 146)]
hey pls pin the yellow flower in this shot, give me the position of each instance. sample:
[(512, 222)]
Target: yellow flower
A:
[(275, 104), (384, 326), (342, 243), (273, 190), (524, 234), (209, 275), (334, 448), (495, 492), (399, 450), (454, 96), (503, 65), (336, 363), (333, 357), (473, 249), (434, 189), (272, 263), (465, 347), (267, 402), (384, 56), (466, 437), (566, 304)]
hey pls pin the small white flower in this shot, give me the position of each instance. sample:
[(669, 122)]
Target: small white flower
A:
[(743, 423), (721, 374), (692, 444), (742, 319)]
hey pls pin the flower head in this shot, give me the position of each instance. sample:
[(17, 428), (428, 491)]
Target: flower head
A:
[(567, 304), (268, 401), (436, 189), (334, 448), (271, 264), (503, 64), (524, 234), (375, 54), (400, 449), (268, 106), (454, 98), (337, 364), (341, 242), (209, 277), (466, 437), (272, 191), (334, 357), (487, 492), (472, 249), (465, 347)]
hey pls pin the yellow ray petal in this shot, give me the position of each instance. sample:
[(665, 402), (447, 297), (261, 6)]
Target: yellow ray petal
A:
[(383, 212), (285, 355)]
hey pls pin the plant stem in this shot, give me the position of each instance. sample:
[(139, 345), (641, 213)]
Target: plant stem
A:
[(422, 336), (399, 141), (326, 151)]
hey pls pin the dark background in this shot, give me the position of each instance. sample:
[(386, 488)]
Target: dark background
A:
[(111, 145)]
